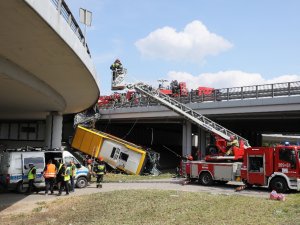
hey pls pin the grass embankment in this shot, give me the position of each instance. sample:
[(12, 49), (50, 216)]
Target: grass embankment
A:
[(162, 207), (112, 177)]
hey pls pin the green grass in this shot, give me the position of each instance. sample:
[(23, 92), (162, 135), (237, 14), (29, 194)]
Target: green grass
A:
[(164, 207), (112, 177)]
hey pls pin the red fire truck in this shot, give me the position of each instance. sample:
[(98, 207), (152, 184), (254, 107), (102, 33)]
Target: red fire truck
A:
[(277, 168), (175, 89), (108, 99)]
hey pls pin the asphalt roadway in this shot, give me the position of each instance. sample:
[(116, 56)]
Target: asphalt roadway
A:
[(13, 203)]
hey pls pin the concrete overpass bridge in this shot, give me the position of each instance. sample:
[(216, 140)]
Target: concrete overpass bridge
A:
[(248, 111), (46, 71)]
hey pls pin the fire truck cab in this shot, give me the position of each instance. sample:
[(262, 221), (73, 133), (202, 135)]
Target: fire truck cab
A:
[(275, 167)]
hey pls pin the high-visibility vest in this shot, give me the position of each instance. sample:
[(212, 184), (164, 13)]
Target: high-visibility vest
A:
[(100, 169), (59, 168), (73, 170), (67, 174), (31, 176), (50, 171)]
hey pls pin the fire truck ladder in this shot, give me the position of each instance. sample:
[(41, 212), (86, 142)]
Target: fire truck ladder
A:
[(187, 112)]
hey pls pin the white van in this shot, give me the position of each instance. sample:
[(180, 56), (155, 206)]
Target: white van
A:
[(14, 167)]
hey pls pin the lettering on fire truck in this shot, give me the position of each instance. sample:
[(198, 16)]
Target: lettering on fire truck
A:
[(281, 165)]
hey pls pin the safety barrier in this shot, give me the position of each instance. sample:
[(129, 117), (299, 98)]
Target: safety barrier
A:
[(225, 94), (65, 12)]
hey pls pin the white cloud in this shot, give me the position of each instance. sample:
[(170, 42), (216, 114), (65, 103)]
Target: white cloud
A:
[(193, 44), (225, 79)]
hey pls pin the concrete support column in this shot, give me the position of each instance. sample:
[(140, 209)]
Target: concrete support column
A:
[(201, 142), (186, 138), (54, 122)]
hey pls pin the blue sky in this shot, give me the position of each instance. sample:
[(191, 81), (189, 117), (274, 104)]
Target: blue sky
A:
[(215, 43)]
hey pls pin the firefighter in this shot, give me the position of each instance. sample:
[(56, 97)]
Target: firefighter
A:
[(233, 143), (31, 177), (49, 175), (116, 68), (100, 170)]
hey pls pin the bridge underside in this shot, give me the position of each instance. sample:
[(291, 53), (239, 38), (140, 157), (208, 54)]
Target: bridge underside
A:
[(39, 71)]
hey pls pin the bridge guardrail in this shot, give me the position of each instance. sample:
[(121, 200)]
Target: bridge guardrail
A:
[(65, 12), (224, 94)]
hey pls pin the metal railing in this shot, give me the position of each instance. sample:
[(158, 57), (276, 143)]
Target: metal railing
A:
[(65, 12), (225, 94)]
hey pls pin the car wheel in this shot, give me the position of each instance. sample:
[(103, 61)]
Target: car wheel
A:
[(20, 188), (81, 182)]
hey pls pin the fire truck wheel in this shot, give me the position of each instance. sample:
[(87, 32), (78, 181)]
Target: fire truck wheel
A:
[(206, 179), (278, 184)]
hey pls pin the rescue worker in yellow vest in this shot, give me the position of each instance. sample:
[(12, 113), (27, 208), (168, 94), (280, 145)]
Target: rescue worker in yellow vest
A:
[(66, 178), (59, 177), (31, 177), (72, 176), (49, 175), (100, 170), (233, 143)]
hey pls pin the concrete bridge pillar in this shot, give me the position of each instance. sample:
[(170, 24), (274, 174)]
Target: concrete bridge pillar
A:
[(201, 143), (187, 138), (54, 123)]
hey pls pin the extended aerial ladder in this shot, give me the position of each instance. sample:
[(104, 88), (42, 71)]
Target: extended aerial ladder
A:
[(219, 132)]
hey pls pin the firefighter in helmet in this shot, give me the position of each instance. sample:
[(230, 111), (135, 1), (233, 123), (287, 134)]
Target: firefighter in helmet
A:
[(233, 143), (100, 170), (116, 68)]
